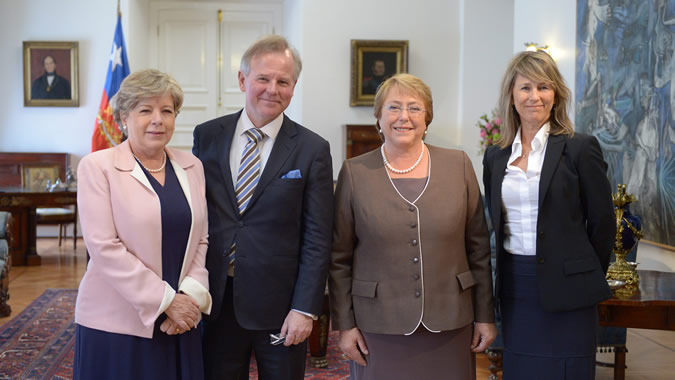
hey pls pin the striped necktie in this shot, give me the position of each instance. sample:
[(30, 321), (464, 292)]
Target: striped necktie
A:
[(248, 175)]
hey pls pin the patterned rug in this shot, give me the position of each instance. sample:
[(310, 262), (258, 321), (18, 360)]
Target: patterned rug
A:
[(38, 343)]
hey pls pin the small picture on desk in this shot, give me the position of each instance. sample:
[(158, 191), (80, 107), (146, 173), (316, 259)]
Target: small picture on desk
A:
[(37, 177)]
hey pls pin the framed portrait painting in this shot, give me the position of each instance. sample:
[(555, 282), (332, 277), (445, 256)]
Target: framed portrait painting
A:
[(50, 74), (373, 61)]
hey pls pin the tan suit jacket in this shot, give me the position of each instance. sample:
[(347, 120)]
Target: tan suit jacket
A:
[(396, 264)]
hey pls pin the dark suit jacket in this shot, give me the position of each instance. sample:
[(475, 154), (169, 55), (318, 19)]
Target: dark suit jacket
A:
[(60, 88), (284, 236), (394, 263), (576, 224)]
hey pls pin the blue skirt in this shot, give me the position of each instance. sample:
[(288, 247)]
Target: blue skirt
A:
[(539, 344), (104, 355)]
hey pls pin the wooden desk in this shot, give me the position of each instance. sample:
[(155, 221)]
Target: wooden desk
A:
[(22, 204), (652, 307)]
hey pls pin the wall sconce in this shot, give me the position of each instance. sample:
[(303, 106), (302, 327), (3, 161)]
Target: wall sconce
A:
[(533, 46)]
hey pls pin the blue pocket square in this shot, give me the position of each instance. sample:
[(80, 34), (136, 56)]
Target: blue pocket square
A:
[(295, 173)]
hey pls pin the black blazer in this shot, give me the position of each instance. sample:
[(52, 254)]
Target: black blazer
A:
[(576, 225), (284, 236)]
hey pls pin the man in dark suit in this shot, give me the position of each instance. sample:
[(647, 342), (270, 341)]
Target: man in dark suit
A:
[(50, 85), (269, 188)]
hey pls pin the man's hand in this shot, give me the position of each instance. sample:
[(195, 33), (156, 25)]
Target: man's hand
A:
[(350, 342), (483, 335), (296, 328)]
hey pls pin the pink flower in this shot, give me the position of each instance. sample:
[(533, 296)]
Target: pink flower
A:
[(488, 125), (483, 133), (498, 121)]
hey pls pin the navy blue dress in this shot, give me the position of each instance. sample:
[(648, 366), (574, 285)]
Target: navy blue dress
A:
[(104, 355)]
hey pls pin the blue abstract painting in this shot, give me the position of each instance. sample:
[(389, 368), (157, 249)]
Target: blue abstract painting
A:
[(625, 96)]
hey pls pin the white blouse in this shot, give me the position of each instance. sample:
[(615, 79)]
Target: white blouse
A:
[(520, 195)]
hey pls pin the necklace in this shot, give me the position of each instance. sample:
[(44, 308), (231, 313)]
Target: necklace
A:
[(151, 170), (401, 171)]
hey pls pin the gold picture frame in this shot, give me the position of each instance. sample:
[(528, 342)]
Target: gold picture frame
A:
[(35, 177), (373, 61), (51, 74)]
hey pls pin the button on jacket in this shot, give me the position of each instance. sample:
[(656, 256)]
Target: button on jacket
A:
[(395, 264)]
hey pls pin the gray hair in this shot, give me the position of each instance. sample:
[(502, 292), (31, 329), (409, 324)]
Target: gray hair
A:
[(270, 44), (142, 85)]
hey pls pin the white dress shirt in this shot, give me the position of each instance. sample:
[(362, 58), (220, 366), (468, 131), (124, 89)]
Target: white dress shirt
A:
[(520, 195), (239, 141)]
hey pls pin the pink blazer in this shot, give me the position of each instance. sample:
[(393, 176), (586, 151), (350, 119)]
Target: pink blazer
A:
[(122, 290)]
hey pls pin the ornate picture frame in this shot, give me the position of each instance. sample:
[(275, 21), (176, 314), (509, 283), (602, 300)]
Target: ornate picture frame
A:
[(373, 61), (37, 176), (51, 74)]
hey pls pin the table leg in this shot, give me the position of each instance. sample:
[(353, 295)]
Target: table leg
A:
[(495, 355), (31, 255), (620, 363), (318, 340), (23, 248)]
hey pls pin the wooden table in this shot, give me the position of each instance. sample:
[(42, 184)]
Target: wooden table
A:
[(652, 307), (22, 204)]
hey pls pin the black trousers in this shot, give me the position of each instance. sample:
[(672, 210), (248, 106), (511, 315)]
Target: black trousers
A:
[(228, 346)]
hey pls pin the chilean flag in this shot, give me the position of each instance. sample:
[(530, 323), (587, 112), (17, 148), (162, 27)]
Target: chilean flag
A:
[(106, 132)]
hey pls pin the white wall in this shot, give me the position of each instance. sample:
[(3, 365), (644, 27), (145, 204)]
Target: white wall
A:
[(53, 129), (486, 50), (432, 28)]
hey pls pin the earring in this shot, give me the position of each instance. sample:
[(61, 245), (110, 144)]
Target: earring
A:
[(425, 132)]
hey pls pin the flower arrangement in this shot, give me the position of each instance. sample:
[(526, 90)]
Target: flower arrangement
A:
[(490, 128)]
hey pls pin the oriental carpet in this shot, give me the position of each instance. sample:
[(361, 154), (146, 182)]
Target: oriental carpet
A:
[(39, 343)]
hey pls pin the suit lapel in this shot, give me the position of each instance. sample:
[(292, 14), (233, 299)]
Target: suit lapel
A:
[(282, 149), (554, 151), (498, 172), (229, 124)]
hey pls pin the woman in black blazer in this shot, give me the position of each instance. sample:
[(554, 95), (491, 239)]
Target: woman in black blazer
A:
[(551, 206)]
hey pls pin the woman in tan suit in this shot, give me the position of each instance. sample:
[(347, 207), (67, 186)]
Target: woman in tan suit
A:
[(410, 281)]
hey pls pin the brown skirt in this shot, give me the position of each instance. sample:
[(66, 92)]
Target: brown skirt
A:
[(422, 355)]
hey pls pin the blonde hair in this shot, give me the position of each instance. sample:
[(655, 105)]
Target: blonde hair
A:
[(536, 66), (406, 83), (270, 44), (141, 85)]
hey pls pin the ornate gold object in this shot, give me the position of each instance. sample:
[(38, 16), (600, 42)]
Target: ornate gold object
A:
[(620, 269)]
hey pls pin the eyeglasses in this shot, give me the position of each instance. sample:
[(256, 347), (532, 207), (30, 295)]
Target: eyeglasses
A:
[(396, 110)]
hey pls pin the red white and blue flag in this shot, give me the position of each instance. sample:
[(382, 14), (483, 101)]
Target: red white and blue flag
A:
[(106, 132)]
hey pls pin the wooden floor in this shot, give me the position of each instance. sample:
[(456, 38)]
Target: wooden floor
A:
[(651, 353)]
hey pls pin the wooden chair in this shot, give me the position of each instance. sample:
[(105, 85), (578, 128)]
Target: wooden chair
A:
[(36, 174), (61, 217)]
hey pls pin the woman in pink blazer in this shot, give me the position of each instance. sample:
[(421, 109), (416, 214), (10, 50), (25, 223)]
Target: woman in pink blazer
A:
[(143, 213)]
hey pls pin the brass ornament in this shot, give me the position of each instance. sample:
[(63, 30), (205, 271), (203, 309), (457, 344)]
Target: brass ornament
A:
[(621, 269)]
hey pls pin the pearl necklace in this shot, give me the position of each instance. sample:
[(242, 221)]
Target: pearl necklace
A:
[(151, 170), (401, 171)]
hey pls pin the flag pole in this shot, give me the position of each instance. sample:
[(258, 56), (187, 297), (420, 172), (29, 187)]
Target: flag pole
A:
[(119, 12)]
